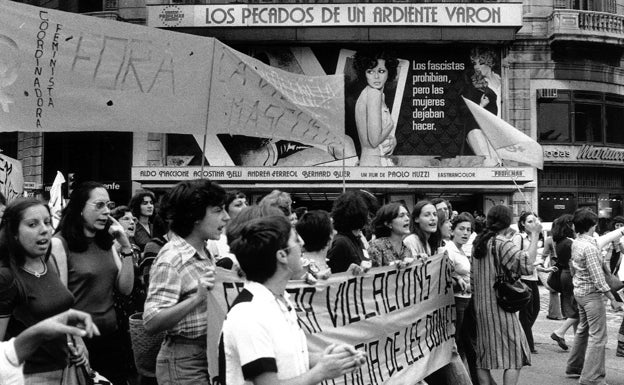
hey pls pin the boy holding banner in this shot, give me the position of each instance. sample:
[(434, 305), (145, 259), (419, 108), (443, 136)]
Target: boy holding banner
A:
[(261, 341)]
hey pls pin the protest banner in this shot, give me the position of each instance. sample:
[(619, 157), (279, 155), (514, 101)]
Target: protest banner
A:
[(68, 72), (11, 178), (404, 319)]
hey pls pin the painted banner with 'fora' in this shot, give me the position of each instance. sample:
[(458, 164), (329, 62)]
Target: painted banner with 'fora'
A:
[(403, 319), (61, 71)]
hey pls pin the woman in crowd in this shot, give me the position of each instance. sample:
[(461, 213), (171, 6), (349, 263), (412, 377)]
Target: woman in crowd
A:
[(142, 206), (235, 202), (279, 199), (126, 219), (391, 225), (613, 251), (425, 238), (501, 343), (529, 313), (372, 116), (316, 230), (549, 256), (461, 228), (424, 243), (31, 289), (180, 278), (563, 235), (587, 358), (94, 269), (445, 227), (126, 305), (350, 215)]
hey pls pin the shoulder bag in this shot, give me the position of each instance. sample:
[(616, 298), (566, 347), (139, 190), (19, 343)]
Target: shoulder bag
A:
[(511, 293)]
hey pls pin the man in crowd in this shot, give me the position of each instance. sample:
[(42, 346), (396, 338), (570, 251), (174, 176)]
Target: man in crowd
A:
[(261, 342)]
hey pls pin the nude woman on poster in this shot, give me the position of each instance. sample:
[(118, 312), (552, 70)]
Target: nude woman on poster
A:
[(372, 116)]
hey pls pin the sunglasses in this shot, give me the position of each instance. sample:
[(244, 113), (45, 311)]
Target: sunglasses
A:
[(100, 205)]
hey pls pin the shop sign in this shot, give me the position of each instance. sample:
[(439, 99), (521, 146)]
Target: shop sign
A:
[(336, 15), (586, 154), (334, 174)]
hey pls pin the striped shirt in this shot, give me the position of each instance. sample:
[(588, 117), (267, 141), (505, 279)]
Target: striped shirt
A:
[(587, 262), (173, 278), (501, 342)]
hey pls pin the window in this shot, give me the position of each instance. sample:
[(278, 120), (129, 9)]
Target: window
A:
[(587, 127), (614, 117), (580, 117), (552, 127)]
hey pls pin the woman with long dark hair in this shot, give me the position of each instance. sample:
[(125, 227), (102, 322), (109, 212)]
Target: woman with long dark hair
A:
[(426, 237), (94, 268), (501, 343), (142, 205), (528, 314), (31, 289), (372, 115), (350, 215), (562, 236)]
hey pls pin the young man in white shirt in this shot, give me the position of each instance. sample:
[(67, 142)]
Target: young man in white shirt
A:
[(262, 343)]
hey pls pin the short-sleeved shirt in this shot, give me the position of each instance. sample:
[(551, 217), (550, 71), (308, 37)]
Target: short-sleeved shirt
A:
[(45, 296), (460, 263), (382, 252), (346, 249), (173, 278), (261, 335)]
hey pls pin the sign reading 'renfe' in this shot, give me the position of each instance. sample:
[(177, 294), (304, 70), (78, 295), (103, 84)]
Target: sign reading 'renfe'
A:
[(336, 15)]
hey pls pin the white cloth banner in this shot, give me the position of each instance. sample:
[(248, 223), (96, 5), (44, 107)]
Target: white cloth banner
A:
[(66, 72), (403, 319)]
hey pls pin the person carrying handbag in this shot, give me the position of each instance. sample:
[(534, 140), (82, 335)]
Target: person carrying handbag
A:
[(494, 324)]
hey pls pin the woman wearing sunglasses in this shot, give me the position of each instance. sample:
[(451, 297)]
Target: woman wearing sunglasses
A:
[(94, 268)]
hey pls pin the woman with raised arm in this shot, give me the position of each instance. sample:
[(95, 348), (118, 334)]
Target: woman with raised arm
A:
[(93, 268)]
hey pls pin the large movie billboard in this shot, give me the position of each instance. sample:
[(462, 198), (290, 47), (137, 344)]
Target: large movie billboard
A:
[(404, 106)]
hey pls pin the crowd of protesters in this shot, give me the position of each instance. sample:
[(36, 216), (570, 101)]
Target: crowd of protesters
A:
[(159, 258)]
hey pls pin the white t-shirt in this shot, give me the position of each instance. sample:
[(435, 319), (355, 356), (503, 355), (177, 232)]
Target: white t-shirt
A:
[(461, 265), (10, 369), (525, 243), (260, 335)]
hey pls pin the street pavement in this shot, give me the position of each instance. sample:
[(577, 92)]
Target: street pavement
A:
[(548, 365)]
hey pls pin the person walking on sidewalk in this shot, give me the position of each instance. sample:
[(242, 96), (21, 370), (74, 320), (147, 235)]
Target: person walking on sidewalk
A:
[(563, 235), (587, 358)]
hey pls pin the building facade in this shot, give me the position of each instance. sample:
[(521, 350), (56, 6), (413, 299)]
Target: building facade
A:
[(550, 68)]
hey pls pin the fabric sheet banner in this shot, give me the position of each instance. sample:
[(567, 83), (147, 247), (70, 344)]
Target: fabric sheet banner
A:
[(255, 99), (11, 178), (403, 319), (66, 72)]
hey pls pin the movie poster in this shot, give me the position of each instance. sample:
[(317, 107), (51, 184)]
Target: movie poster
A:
[(403, 106)]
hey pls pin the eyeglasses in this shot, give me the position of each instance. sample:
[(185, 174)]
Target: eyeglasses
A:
[(100, 205)]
